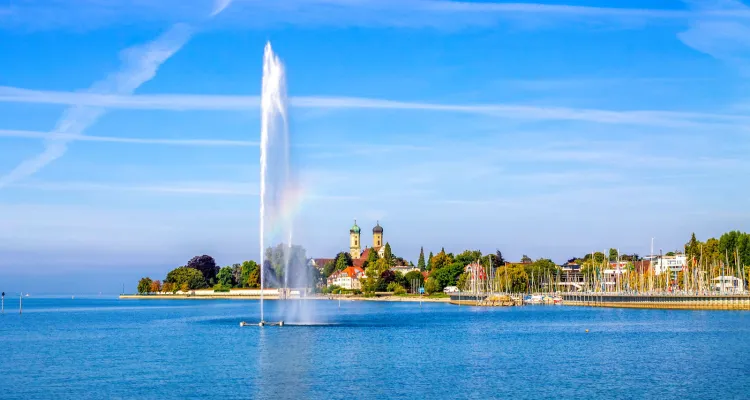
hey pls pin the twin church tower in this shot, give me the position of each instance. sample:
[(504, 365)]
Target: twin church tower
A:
[(355, 245)]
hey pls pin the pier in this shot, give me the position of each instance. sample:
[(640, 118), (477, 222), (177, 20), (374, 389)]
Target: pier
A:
[(664, 301)]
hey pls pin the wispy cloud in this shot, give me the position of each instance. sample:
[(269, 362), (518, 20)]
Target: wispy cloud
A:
[(195, 188), (70, 137), (139, 65), (219, 6), (243, 103), (257, 14), (724, 38)]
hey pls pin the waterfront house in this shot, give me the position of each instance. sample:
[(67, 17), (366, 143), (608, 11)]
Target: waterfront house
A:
[(729, 284), (671, 263), (348, 278)]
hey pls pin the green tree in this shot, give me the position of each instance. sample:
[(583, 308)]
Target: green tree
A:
[(512, 278), (284, 258), (432, 286), (144, 285), (670, 254), (247, 279), (237, 274), (329, 268), (463, 281), (387, 254), (468, 257), (186, 275), (224, 277), (253, 280), (206, 265), (421, 264), (413, 276), (526, 259), (341, 262), (429, 262), (448, 275), (441, 260), (612, 254)]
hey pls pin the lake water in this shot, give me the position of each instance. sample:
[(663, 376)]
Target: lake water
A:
[(108, 348)]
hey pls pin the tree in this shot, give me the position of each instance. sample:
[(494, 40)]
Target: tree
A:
[(429, 262), (441, 260), (237, 274), (144, 285), (184, 287), (512, 278), (247, 279), (168, 287), (186, 275), (448, 276), (207, 267), (413, 276), (253, 280), (225, 277), (613, 254), (386, 277), (328, 268), (155, 286), (499, 260), (468, 257), (284, 259), (463, 281), (372, 256), (432, 286), (387, 254), (670, 254), (342, 261), (526, 259), (421, 264)]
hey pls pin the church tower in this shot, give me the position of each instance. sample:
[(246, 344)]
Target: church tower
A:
[(354, 244), (377, 236)]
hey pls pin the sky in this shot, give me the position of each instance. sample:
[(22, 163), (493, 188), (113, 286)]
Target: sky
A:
[(129, 129)]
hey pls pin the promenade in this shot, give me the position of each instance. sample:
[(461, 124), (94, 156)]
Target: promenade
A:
[(664, 301)]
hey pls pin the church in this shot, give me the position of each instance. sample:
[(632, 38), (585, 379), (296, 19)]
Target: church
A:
[(355, 244)]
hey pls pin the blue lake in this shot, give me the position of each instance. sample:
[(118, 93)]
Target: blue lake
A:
[(103, 348)]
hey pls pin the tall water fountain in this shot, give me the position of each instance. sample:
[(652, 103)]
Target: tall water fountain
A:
[(279, 195)]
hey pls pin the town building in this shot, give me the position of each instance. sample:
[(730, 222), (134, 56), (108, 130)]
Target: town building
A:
[(729, 284), (355, 244), (671, 263), (348, 278), (320, 263)]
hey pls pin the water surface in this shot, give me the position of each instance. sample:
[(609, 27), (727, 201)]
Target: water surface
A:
[(109, 348)]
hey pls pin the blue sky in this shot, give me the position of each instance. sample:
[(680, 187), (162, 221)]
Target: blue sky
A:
[(129, 129)]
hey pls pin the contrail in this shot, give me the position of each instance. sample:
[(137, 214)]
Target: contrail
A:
[(219, 6), (139, 65), (69, 137)]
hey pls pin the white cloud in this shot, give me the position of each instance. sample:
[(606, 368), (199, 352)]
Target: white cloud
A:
[(219, 6), (243, 103), (195, 188), (139, 65), (724, 38), (70, 137), (261, 14)]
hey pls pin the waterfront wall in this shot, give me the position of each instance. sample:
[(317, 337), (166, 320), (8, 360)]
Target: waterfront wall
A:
[(683, 302)]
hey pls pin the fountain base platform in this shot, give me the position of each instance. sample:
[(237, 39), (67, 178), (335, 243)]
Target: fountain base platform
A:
[(262, 323)]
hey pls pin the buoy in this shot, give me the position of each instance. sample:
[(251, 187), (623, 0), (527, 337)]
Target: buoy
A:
[(587, 331)]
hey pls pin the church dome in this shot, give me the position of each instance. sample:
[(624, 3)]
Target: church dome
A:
[(377, 228), (355, 228)]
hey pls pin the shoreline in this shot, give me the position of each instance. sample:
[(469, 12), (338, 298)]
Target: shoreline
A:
[(249, 297)]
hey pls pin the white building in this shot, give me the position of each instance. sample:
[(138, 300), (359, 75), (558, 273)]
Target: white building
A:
[(673, 263), (348, 278), (729, 284)]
